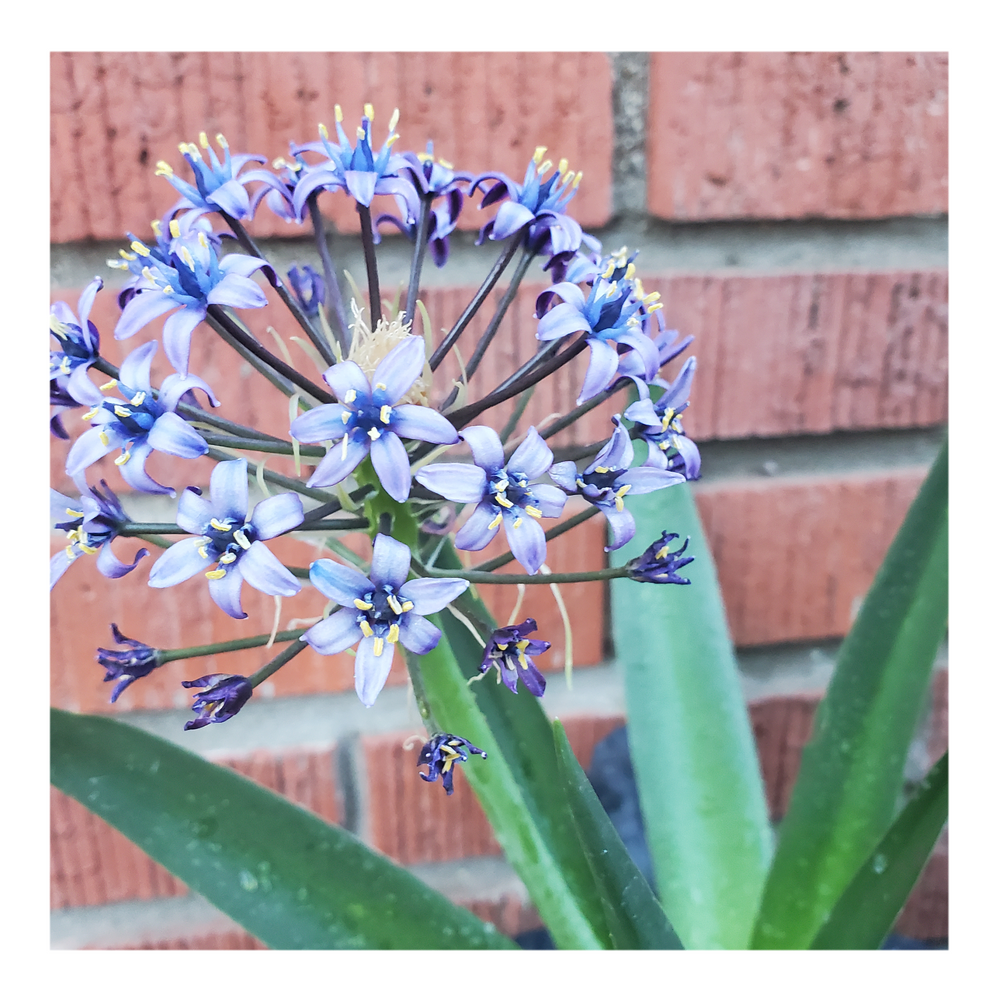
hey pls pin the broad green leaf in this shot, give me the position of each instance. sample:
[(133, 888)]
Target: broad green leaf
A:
[(635, 918), (567, 903), (289, 878), (692, 746), (865, 913), (852, 768)]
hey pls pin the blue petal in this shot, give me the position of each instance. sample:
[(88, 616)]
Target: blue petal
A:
[(322, 423), (334, 634), (487, 450), (617, 453), (79, 386), (561, 321), (527, 540), (421, 423), (110, 566), (87, 449), (622, 526), (85, 303), (226, 591), (371, 671), (681, 388), (511, 217), (689, 452), (241, 264), (173, 436), (642, 411), (344, 377), (230, 492), (390, 561), (310, 182), (58, 565), (134, 472), (174, 386), (430, 596), (532, 456), (134, 372), (476, 533), (601, 370), (564, 475), (336, 466), (340, 583), (361, 185), (551, 499), (177, 331), (234, 290), (141, 309), (392, 465), (193, 512), (276, 515), (417, 634), (179, 563), (262, 569), (454, 481), (232, 198), (646, 479), (398, 370)]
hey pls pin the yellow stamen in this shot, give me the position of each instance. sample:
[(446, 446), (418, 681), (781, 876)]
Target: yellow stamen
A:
[(140, 248), (227, 557), (611, 270), (407, 606), (360, 132), (366, 629), (221, 140), (64, 365), (370, 113), (138, 398), (579, 177), (521, 647), (495, 522), (203, 241), (156, 227), (279, 163), (148, 275), (126, 255), (446, 164), (103, 438), (203, 550), (215, 574), (203, 139), (532, 511), (169, 289), (519, 522), (118, 265), (124, 457), (563, 165), (345, 417), (630, 272), (662, 554), (394, 120), (393, 603), (374, 433), (378, 644), (122, 411), (89, 549), (218, 525), (163, 169), (393, 635), (502, 500), (539, 153), (90, 414), (338, 113), (545, 166), (241, 539), (664, 446), (324, 134), (362, 605), (350, 396), (380, 385), (385, 413), (74, 513), (601, 469), (187, 258)]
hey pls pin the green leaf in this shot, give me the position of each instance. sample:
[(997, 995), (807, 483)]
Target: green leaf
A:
[(540, 845), (852, 769), (689, 733), (635, 918), (865, 913), (289, 878)]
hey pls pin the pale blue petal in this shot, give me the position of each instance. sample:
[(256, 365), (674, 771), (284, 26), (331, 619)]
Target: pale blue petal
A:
[(390, 561), (141, 309), (226, 591), (454, 481), (476, 533), (527, 540), (232, 198), (511, 217), (134, 472), (134, 372), (361, 185), (642, 411), (398, 370), (617, 453), (88, 448), (334, 634), (173, 436), (230, 492), (371, 671), (337, 465), (79, 386), (689, 452), (262, 569), (58, 565), (322, 423), (550, 499), (177, 331), (179, 563), (339, 583), (601, 370), (174, 386), (622, 526), (276, 515), (644, 479), (392, 465), (421, 423), (344, 377), (239, 292), (430, 596), (532, 456), (417, 634), (193, 512), (241, 264), (561, 321), (564, 475), (487, 449), (110, 566)]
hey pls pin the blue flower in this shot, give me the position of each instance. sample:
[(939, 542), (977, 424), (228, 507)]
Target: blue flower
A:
[(308, 288), (378, 612), (440, 753), (126, 665), (90, 524), (279, 190), (536, 203), (79, 342), (138, 423), (658, 564), (356, 169), (216, 186), (607, 480), (369, 418), (63, 401), (226, 694), (191, 277), (511, 654), (502, 492), (228, 537), (669, 447)]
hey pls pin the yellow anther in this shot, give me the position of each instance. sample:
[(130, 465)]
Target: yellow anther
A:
[(361, 133), (89, 549), (502, 500), (227, 557), (622, 490), (64, 365), (126, 255), (378, 644), (203, 241), (495, 523), (163, 169), (569, 177), (118, 265), (392, 138), (385, 414), (218, 525), (374, 433), (519, 522), (74, 513), (122, 411), (279, 163), (619, 503), (407, 606), (156, 227), (370, 113), (337, 113), (138, 398), (203, 139), (393, 603), (90, 414), (168, 289), (630, 272), (539, 153), (345, 417), (532, 512), (667, 417), (241, 539), (215, 574), (446, 164), (664, 445), (324, 134), (611, 270), (502, 646), (148, 275), (140, 248), (563, 165), (662, 554), (501, 487), (362, 605), (545, 166), (394, 120), (579, 177), (203, 550), (612, 288), (103, 438), (175, 229), (601, 469), (70, 553), (521, 647), (380, 385), (74, 536), (221, 140), (350, 396), (187, 258), (393, 635), (654, 307)]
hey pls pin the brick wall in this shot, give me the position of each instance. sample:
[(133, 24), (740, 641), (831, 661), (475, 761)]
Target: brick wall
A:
[(791, 213)]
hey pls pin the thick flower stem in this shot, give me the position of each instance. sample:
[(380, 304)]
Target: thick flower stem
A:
[(279, 382), (141, 528), (332, 287), (559, 529), (267, 447), (371, 265), (477, 300), (229, 646), (277, 663), (419, 252), (613, 573), (512, 421)]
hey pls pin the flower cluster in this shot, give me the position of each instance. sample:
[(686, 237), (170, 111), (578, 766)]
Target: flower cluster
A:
[(372, 431)]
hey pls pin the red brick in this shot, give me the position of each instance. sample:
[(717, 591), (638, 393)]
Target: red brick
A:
[(937, 740), (758, 531), (793, 135), (925, 915), (781, 728), (114, 115), (235, 940)]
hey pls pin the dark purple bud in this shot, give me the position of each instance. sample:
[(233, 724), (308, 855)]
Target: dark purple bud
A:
[(308, 287), (224, 696), (511, 654), (440, 753), (126, 665), (658, 565)]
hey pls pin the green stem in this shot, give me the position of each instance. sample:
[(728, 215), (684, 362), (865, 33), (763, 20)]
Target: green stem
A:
[(229, 646), (420, 692), (267, 447), (277, 663), (371, 265), (143, 528), (473, 576)]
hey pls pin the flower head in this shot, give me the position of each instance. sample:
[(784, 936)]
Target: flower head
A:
[(536, 203), (607, 480), (228, 538), (90, 525), (440, 753), (184, 271), (79, 343), (658, 564), (126, 665), (226, 694), (137, 422), (511, 654), (216, 188), (503, 493), (378, 612), (370, 419), (356, 169), (308, 288)]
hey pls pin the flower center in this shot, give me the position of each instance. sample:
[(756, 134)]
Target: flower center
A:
[(224, 541), (380, 612)]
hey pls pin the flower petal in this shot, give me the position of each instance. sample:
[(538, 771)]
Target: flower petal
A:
[(276, 515), (88, 448), (344, 377), (338, 582), (601, 370), (561, 321), (171, 435), (322, 423), (134, 472), (361, 186), (390, 561), (235, 290), (643, 411), (392, 465), (134, 372), (226, 591), (646, 479), (456, 481), (487, 449), (527, 540), (511, 217), (532, 456), (338, 464), (477, 532), (179, 563), (193, 512), (174, 386), (398, 370), (230, 492), (689, 452), (617, 453), (417, 634), (551, 499), (621, 524), (262, 569), (110, 566), (430, 596), (58, 565), (371, 671), (334, 634), (177, 331), (564, 475), (421, 423), (141, 309), (232, 198)]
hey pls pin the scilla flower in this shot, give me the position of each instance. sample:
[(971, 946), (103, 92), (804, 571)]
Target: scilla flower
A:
[(78, 339), (126, 665), (658, 564), (224, 696), (228, 538), (441, 753), (511, 654), (378, 612), (503, 493), (370, 419)]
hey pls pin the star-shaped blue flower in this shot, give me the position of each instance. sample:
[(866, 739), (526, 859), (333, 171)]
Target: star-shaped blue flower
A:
[(441, 753), (511, 654), (79, 342)]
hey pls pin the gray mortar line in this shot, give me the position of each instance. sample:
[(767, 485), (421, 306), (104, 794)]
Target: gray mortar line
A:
[(784, 246)]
